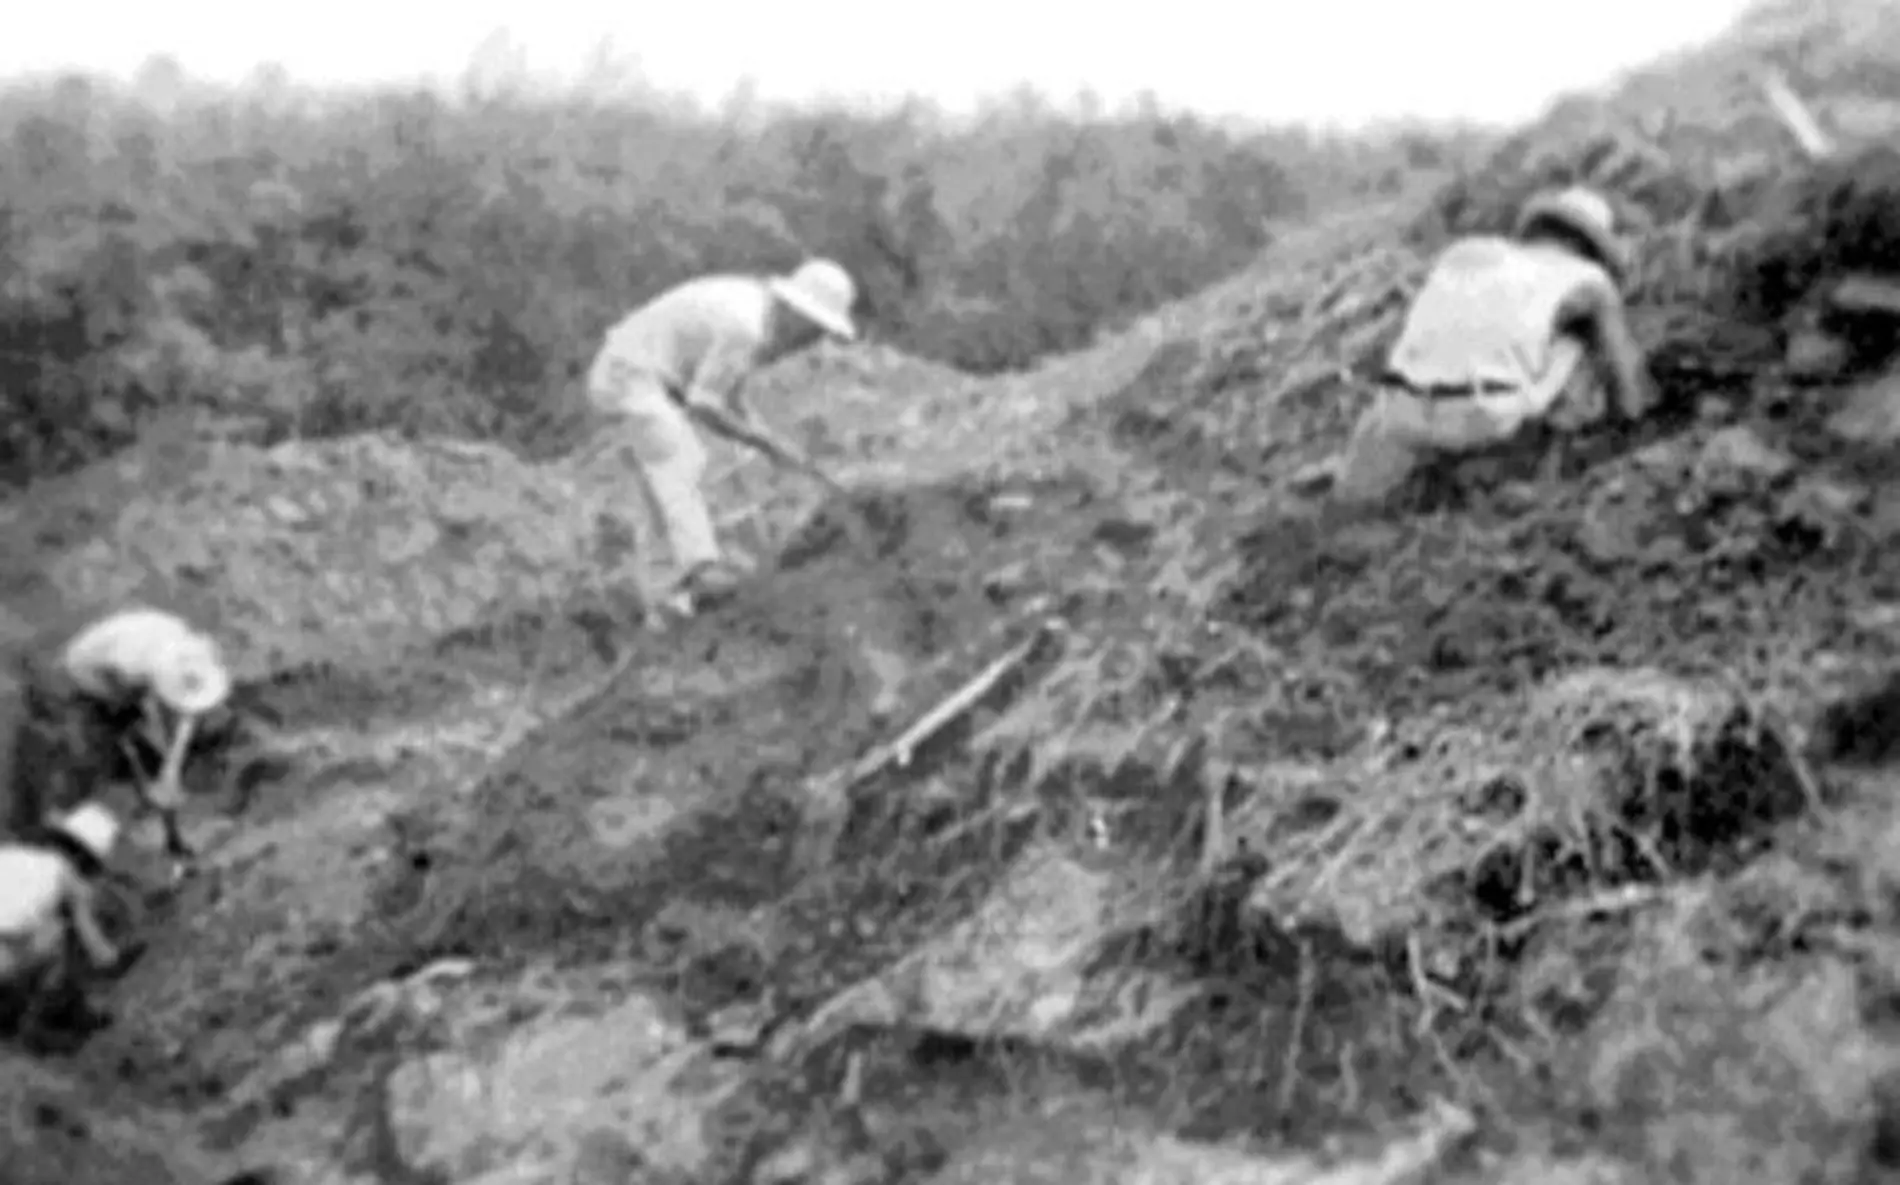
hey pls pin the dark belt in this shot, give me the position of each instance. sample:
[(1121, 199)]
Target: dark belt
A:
[(1434, 391)]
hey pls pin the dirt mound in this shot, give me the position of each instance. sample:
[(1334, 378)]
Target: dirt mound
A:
[(1714, 550), (1437, 732), (345, 552), (1559, 705), (857, 382), (682, 779), (1249, 396)]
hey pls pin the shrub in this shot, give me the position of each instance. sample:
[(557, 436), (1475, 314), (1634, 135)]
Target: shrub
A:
[(412, 263)]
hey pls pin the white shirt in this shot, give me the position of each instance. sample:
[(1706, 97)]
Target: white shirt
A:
[(34, 885), (1488, 314)]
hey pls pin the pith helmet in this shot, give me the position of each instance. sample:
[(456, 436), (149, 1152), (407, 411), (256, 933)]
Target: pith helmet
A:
[(1584, 212), (822, 293), (195, 679), (151, 648), (94, 827)]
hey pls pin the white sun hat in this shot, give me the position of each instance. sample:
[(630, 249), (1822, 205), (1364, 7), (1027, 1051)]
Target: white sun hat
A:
[(150, 649), (1585, 212), (192, 678), (94, 827), (822, 293)]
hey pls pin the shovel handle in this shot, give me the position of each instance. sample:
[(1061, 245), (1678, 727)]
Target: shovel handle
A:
[(829, 482)]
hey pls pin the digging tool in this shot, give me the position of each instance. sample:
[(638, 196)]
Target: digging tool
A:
[(850, 520), (164, 794), (831, 484), (828, 801), (1794, 114), (184, 858)]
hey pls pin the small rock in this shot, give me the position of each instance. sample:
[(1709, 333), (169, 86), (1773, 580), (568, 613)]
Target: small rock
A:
[(739, 1027), (1602, 541), (1518, 497), (1365, 541), (1871, 412), (1712, 409), (1866, 294), (528, 1105), (322, 1040), (1737, 457), (1007, 581), (606, 1156), (1612, 528), (795, 1162), (1670, 457), (1315, 478), (285, 510), (1814, 356), (1836, 498), (1822, 505), (1019, 967), (405, 541), (1127, 535), (1839, 1062), (624, 820), (1591, 1169), (1878, 617)]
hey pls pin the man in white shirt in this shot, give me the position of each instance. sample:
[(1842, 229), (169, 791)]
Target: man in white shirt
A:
[(683, 359), (122, 701), (49, 918), (1498, 339)]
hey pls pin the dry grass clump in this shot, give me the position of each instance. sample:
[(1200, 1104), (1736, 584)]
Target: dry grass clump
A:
[(1605, 782)]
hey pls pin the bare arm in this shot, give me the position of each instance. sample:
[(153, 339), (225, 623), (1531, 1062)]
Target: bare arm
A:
[(735, 423), (1597, 311), (82, 905), (716, 400)]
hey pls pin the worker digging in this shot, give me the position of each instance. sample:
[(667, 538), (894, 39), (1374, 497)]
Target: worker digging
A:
[(49, 921), (120, 703), (682, 360), (1505, 333)]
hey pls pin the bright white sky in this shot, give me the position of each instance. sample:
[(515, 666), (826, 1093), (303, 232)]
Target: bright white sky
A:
[(1327, 61)]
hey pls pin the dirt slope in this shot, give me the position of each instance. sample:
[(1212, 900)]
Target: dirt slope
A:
[(1480, 833)]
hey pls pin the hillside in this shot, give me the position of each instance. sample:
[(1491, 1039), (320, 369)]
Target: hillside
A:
[(296, 266), (1508, 835)]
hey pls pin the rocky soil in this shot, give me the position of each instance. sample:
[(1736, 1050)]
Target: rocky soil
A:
[(1488, 837)]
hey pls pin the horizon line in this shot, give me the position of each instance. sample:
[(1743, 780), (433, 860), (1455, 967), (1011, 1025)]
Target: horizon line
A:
[(177, 89)]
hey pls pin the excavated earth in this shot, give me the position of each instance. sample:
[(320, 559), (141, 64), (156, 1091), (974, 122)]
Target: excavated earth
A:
[(534, 905)]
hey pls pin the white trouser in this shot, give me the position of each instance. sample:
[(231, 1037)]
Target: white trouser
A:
[(1401, 428), (654, 433)]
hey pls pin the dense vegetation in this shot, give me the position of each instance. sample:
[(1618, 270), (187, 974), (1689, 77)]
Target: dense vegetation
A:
[(430, 263)]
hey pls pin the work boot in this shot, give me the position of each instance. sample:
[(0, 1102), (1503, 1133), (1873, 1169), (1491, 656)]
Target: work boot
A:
[(665, 612), (707, 586)]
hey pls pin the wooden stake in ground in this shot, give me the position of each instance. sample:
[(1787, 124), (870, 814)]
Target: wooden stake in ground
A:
[(828, 800), (1794, 114)]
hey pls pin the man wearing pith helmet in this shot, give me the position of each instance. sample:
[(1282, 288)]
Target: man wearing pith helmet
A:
[(683, 359), (122, 700), (1498, 338)]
